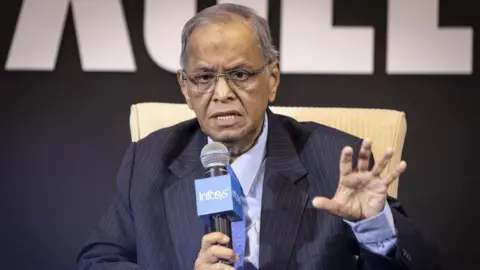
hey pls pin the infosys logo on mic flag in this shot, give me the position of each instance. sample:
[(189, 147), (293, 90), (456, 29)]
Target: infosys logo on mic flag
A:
[(219, 195), (213, 195)]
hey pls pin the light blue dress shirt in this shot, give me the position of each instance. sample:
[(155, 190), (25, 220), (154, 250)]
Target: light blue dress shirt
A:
[(377, 233)]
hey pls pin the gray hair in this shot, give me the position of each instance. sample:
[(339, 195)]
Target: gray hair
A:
[(223, 12)]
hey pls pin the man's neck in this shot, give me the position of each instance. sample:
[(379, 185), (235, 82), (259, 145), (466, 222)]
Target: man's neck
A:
[(237, 149)]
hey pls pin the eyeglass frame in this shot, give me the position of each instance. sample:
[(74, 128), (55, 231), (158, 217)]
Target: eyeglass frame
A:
[(227, 77)]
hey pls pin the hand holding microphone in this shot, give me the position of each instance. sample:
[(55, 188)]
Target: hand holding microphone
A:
[(211, 254), (218, 204)]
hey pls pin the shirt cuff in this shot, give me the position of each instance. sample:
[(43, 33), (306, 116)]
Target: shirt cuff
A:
[(376, 229)]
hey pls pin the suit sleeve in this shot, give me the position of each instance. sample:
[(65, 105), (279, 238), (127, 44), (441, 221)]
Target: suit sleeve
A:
[(112, 243), (413, 249)]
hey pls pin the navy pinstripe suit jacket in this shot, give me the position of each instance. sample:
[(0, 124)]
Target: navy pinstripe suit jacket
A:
[(152, 223)]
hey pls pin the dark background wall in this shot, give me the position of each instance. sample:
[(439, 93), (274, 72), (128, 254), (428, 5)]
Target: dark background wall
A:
[(63, 132)]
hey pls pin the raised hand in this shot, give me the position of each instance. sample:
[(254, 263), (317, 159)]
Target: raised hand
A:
[(361, 193)]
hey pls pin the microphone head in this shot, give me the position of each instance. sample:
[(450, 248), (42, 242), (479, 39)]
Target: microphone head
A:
[(215, 154)]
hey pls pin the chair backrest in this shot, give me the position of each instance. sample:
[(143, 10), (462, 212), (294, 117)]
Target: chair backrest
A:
[(386, 128)]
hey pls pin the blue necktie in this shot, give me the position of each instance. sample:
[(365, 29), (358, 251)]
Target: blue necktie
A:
[(239, 238)]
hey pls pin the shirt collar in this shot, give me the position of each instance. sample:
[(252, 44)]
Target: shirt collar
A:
[(247, 165)]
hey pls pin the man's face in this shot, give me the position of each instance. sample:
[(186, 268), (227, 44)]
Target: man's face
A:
[(230, 111)]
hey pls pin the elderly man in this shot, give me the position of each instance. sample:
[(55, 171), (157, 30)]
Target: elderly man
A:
[(314, 198)]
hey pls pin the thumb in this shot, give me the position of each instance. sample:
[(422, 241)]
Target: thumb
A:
[(329, 205)]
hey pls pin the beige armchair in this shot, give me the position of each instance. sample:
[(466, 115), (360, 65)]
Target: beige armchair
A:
[(384, 127)]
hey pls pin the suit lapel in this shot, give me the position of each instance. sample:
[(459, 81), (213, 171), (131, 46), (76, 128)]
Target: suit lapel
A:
[(186, 228), (283, 201)]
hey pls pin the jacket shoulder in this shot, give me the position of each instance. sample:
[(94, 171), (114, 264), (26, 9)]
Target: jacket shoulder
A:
[(165, 143), (163, 133)]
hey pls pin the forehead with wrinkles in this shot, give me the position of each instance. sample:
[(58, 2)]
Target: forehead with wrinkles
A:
[(223, 44)]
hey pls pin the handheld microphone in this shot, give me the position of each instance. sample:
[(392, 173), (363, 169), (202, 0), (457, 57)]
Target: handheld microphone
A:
[(217, 195)]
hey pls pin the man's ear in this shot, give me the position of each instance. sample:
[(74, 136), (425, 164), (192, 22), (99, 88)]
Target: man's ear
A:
[(183, 86), (273, 80)]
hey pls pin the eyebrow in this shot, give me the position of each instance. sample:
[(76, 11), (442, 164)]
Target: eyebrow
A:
[(205, 68), (240, 66), (202, 69)]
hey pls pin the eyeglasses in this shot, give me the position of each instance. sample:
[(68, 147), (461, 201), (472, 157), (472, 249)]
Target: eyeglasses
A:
[(238, 79)]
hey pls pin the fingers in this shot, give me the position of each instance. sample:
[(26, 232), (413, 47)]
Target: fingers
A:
[(211, 239), (379, 167), (346, 161), (364, 155), (363, 158), (365, 152), (401, 167), (211, 253), (355, 180), (215, 266), (221, 266), (329, 205), (215, 253)]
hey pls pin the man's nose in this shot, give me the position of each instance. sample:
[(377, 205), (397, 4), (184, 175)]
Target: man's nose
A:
[(223, 92)]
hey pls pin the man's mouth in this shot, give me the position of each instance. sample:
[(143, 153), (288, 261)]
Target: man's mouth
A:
[(226, 117)]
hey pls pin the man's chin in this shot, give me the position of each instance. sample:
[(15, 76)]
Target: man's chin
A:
[(226, 139), (225, 136)]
